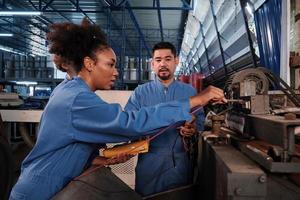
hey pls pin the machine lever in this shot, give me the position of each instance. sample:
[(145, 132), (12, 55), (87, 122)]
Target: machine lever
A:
[(235, 101)]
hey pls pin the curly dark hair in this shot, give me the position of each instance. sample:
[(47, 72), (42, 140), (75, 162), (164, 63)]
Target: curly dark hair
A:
[(73, 42)]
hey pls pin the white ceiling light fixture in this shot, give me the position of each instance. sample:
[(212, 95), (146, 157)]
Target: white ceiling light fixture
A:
[(26, 82), (19, 13), (6, 34)]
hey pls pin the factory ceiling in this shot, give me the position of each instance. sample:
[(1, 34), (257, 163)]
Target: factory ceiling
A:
[(132, 26)]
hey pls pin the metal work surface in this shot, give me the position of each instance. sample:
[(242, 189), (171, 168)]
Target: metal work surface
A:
[(226, 173), (270, 128), (231, 174), (267, 162), (21, 115), (238, 176)]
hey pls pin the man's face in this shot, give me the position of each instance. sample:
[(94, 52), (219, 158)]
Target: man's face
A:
[(164, 64)]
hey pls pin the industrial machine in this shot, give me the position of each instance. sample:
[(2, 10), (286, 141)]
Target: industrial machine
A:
[(253, 149)]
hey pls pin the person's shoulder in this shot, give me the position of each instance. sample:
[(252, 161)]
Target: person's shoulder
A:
[(144, 86), (75, 87), (185, 85)]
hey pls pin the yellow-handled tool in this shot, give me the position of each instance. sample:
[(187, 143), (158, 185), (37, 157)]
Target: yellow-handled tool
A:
[(141, 146)]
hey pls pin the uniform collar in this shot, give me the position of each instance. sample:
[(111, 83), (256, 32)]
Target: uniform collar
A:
[(162, 86), (78, 79)]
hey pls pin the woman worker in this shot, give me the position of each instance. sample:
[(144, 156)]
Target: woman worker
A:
[(75, 118)]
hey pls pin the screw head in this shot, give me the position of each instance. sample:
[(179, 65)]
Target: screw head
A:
[(262, 179)]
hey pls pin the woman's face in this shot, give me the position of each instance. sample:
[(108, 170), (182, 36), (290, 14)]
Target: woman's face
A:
[(104, 72)]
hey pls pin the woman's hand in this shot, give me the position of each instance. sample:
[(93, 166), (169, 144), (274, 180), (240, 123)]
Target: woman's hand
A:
[(100, 160), (210, 94)]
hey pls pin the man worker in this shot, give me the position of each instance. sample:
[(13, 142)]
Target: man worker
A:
[(167, 164)]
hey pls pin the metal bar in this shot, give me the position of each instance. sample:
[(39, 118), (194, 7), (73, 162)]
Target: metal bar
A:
[(72, 11), (235, 101), (44, 19), (192, 56), (40, 5), (107, 7), (121, 3), (21, 27), (139, 66), (54, 10), (59, 14), (159, 20), (290, 139), (21, 46), (2, 64), (83, 12), (221, 36), (36, 25), (206, 52), (199, 62), (32, 4), (199, 59), (20, 49), (137, 26), (185, 4), (154, 8), (218, 35), (40, 18), (108, 26), (115, 25), (45, 7), (2, 5), (22, 36), (245, 19), (77, 5), (123, 50)]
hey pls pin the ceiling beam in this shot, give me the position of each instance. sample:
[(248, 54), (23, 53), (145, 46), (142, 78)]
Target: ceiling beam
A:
[(137, 26), (159, 20), (80, 10), (107, 12), (45, 7), (23, 28), (23, 36)]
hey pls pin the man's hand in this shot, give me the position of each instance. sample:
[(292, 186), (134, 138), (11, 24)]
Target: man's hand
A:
[(189, 128)]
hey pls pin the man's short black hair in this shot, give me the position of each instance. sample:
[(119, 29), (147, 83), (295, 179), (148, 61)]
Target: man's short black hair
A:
[(164, 45)]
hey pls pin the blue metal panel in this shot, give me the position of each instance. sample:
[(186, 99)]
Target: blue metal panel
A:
[(216, 62), (205, 47), (268, 27)]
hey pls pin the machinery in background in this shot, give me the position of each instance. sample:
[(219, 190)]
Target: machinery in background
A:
[(255, 147), (10, 100), (269, 117)]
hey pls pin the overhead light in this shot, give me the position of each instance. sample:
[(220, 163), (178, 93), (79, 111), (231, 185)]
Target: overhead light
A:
[(21, 13), (26, 82), (6, 34)]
